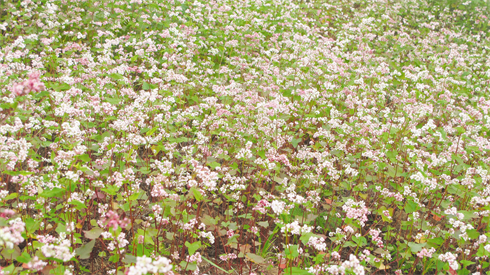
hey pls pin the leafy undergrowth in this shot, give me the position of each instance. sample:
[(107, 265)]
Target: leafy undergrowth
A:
[(244, 137)]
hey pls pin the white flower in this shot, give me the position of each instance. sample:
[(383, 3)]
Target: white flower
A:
[(278, 206)]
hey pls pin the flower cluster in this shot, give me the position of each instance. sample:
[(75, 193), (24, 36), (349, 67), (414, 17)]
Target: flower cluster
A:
[(449, 258), (33, 84), (11, 234), (145, 265), (356, 210), (352, 265)]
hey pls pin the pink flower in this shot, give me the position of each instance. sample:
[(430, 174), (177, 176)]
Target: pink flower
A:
[(32, 84), (112, 219)]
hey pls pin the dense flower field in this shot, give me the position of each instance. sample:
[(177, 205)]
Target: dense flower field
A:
[(244, 137)]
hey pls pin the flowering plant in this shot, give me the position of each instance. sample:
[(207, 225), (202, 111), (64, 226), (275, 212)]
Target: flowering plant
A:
[(244, 137)]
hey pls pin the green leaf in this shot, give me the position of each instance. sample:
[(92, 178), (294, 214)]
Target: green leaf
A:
[(178, 140), (233, 239), (295, 142), (24, 258), (16, 173), (197, 194), (85, 158), (146, 86), (436, 241), (93, 233), (360, 241), (305, 238), (12, 254), (350, 244), (193, 247), (153, 130), (144, 170), (41, 94), (485, 265), (473, 233), (391, 154), (466, 263), (78, 205), (214, 164), (296, 271), (292, 252), (416, 247), (87, 170), (62, 87), (460, 129), (32, 225), (255, 258), (110, 189), (135, 196), (218, 267), (188, 266), (129, 259), (114, 258), (113, 100), (411, 207), (55, 192), (264, 224), (11, 196), (208, 220), (116, 76), (392, 172), (85, 250)]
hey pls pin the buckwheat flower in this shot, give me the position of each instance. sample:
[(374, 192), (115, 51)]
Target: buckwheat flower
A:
[(227, 257), (387, 214), (208, 235), (122, 242), (36, 264), (146, 265), (375, 234), (354, 265), (18, 89), (7, 213), (158, 191), (194, 258), (141, 239), (278, 207), (449, 258), (70, 226), (426, 253), (61, 251), (34, 84), (106, 235), (356, 210), (317, 243), (451, 211), (261, 206), (162, 264), (11, 234), (349, 229), (112, 220), (460, 216), (111, 246)]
